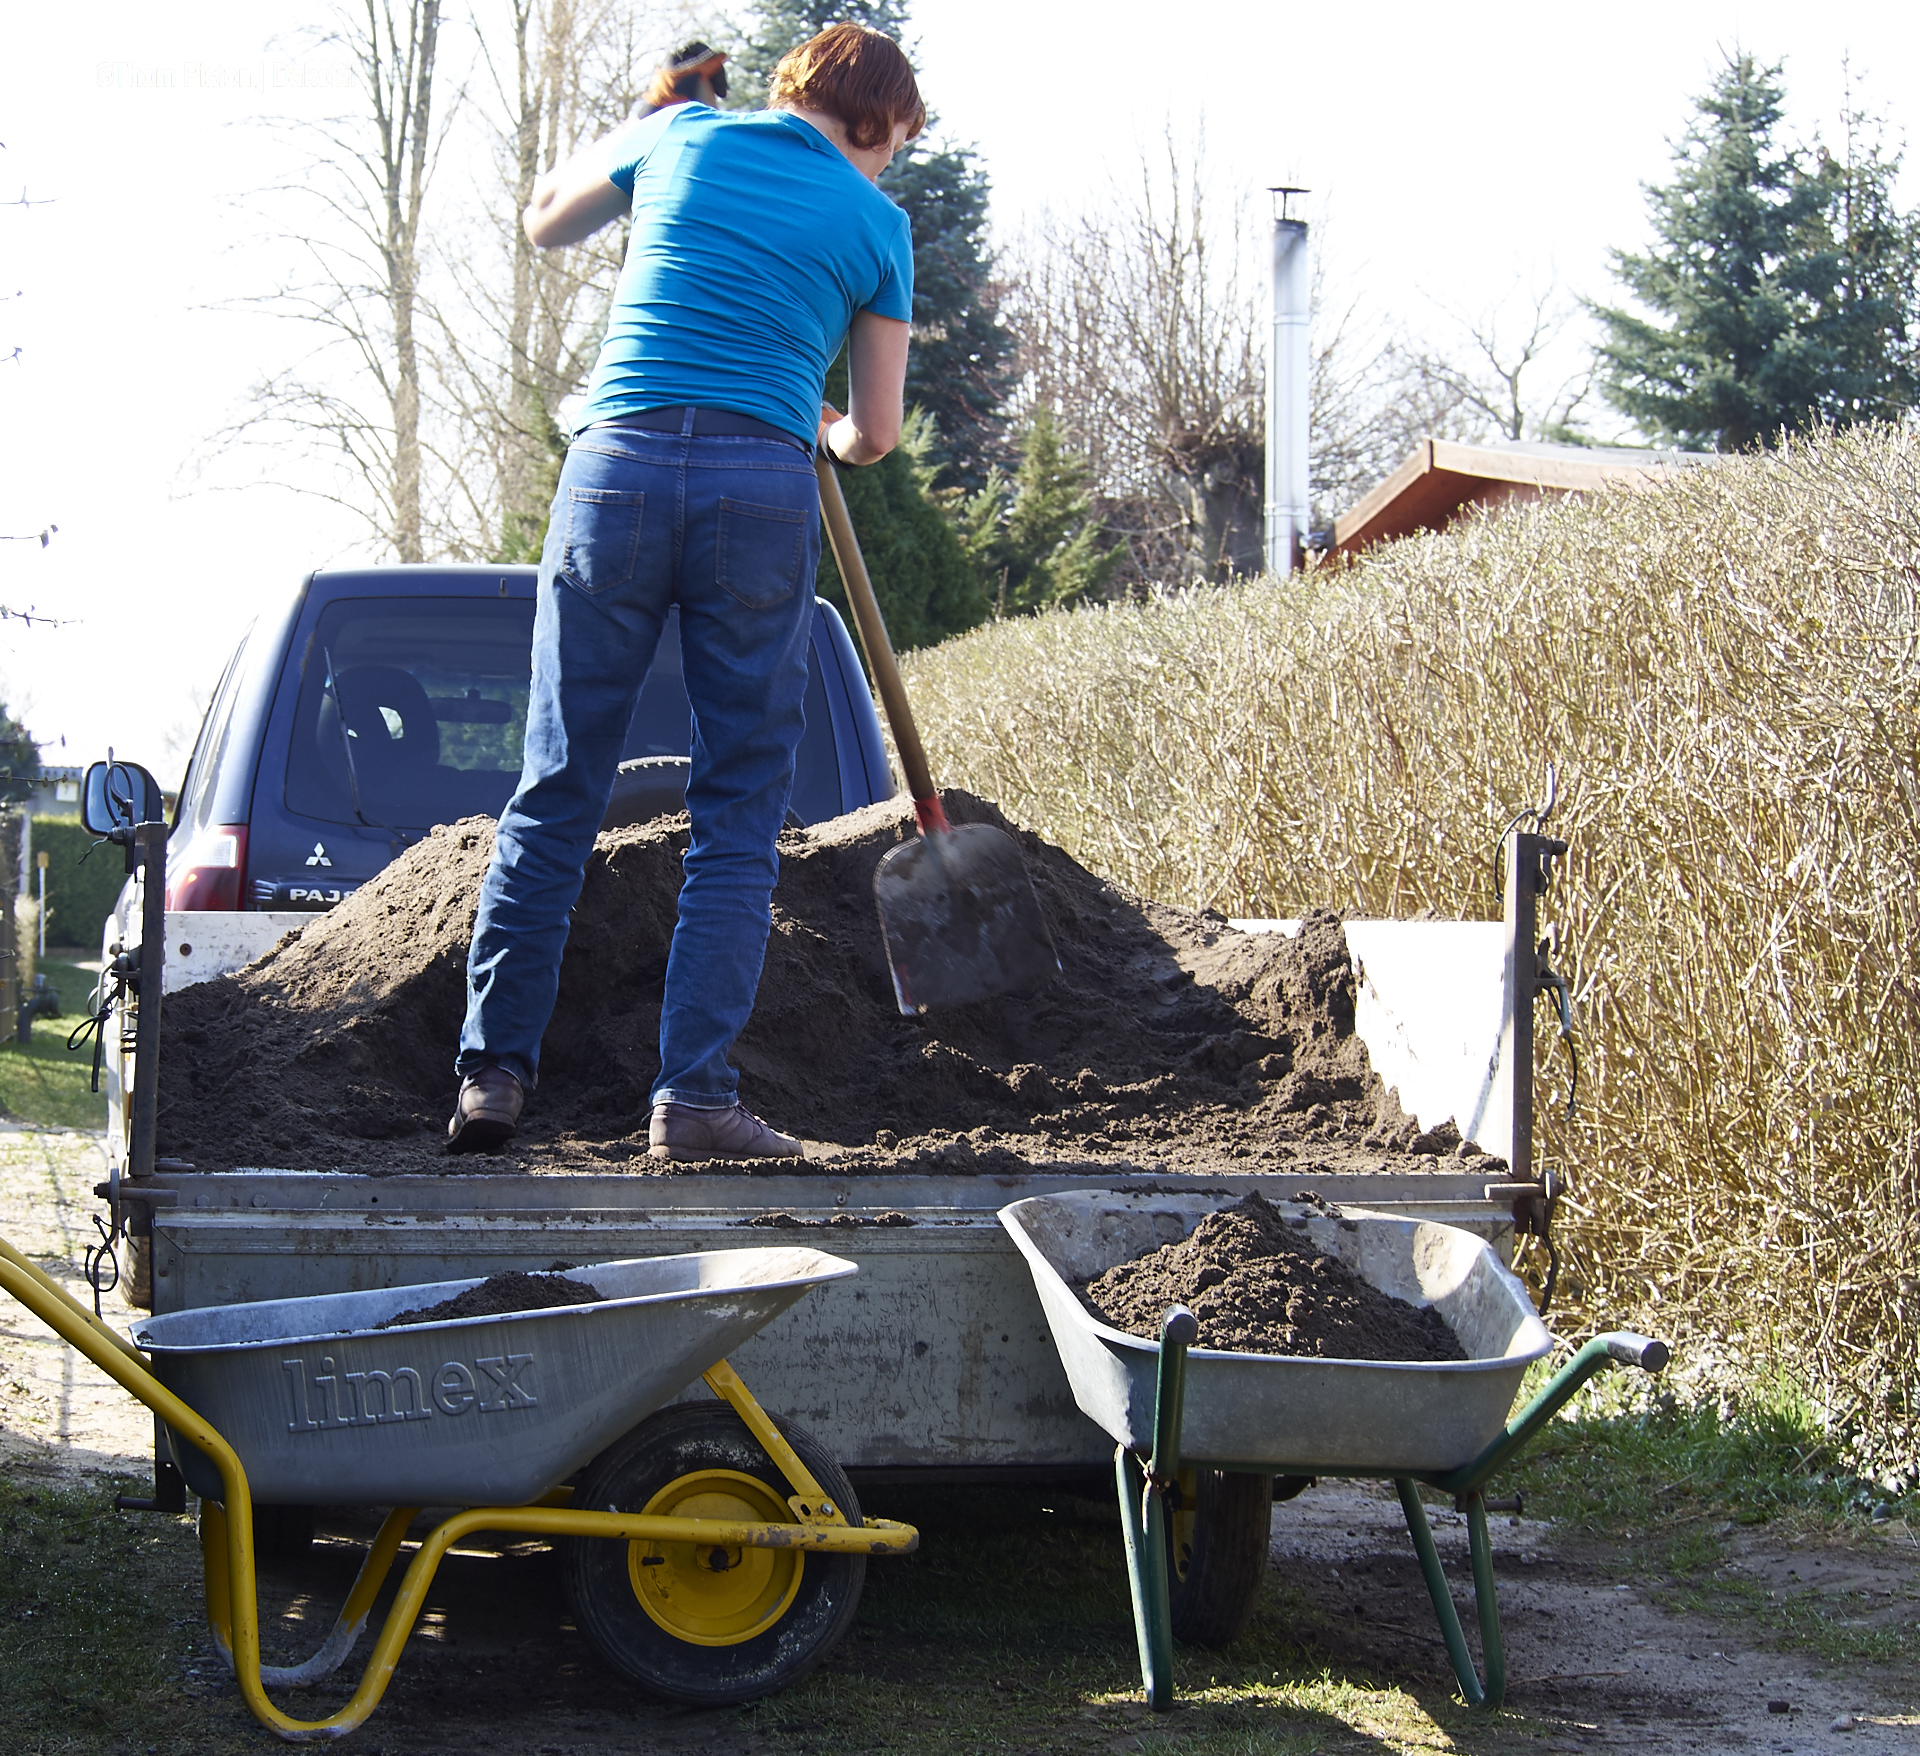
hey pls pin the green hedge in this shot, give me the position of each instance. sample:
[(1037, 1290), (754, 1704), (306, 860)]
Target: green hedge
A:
[(82, 881)]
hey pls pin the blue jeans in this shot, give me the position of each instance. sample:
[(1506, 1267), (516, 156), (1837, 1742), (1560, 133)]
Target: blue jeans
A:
[(728, 529)]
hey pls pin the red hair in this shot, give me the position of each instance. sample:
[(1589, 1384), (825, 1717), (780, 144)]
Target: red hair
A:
[(857, 75)]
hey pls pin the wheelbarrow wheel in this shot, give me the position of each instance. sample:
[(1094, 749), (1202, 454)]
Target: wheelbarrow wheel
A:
[(701, 1623), (1218, 1538)]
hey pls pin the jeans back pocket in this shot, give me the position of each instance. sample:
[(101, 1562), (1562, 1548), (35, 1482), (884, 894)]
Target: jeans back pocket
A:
[(603, 538), (758, 552)]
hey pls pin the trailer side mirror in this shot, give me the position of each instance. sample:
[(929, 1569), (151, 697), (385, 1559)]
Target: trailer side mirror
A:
[(119, 795)]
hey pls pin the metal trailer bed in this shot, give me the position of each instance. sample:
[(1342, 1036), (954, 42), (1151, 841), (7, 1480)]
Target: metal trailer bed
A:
[(944, 1368)]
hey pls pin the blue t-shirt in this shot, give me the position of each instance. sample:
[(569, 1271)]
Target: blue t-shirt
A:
[(754, 244)]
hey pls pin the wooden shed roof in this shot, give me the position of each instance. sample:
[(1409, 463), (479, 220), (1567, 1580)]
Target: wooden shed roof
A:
[(1443, 477)]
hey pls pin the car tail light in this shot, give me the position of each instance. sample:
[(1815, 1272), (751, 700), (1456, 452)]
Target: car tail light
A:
[(210, 871)]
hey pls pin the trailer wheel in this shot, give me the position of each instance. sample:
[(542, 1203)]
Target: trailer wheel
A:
[(1218, 1538), (700, 1623)]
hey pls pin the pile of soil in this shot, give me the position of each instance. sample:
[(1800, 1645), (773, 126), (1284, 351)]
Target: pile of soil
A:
[(1169, 1041), (501, 1295), (1258, 1286)]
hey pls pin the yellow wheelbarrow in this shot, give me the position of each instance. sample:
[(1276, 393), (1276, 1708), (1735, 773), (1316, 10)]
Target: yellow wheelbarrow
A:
[(710, 1553)]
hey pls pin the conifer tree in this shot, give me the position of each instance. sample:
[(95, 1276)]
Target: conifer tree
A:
[(780, 25), (1033, 538), (1785, 282), (960, 368), (926, 586), (1868, 330)]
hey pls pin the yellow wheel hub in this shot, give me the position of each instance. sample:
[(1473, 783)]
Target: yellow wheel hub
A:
[(711, 1594), (1182, 1522)]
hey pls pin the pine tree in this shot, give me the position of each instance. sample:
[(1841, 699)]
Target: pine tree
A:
[(523, 530), (1788, 281), (780, 25), (1866, 330), (1735, 273), (1033, 539), (960, 368)]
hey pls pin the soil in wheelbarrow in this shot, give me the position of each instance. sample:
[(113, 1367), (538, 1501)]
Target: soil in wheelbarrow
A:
[(1169, 1041), (502, 1295), (1257, 1286)]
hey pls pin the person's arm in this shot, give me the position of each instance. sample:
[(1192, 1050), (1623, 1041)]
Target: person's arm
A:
[(574, 200), (877, 386)]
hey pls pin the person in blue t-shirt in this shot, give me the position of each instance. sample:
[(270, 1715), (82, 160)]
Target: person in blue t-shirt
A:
[(760, 243)]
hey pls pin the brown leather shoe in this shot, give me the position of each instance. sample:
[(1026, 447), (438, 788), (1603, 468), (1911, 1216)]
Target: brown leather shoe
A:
[(681, 1132), (488, 1111)]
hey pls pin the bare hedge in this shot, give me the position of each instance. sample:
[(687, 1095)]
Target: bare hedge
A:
[(1727, 671)]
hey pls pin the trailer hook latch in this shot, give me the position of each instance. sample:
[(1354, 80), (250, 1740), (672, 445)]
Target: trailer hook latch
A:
[(1548, 980)]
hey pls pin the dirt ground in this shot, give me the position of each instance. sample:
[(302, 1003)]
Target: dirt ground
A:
[(1603, 1653), (1594, 1663)]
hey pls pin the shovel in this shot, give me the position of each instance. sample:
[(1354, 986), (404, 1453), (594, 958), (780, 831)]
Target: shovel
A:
[(956, 905)]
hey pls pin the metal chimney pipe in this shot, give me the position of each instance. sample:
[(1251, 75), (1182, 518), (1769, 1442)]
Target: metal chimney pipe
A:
[(1289, 365)]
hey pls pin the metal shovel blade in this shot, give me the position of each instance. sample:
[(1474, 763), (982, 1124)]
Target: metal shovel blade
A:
[(961, 919)]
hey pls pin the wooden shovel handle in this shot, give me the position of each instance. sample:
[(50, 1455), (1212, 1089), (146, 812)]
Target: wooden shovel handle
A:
[(879, 649)]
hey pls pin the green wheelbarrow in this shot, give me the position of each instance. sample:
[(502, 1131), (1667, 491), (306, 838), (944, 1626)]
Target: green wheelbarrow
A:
[(1174, 1410)]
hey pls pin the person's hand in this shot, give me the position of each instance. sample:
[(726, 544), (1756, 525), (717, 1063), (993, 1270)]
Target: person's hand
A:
[(828, 415)]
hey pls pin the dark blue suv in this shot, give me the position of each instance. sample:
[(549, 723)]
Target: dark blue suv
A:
[(385, 700)]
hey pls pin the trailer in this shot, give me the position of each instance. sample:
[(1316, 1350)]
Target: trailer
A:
[(935, 1362)]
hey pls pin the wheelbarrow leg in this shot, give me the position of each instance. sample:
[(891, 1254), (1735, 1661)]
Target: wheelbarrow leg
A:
[(1143, 1511), (347, 1626), (1485, 1600), (1143, 1528), (1493, 1649)]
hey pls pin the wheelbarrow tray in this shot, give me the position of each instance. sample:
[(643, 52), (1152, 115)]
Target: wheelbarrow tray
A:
[(1264, 1411), (325, 1408)]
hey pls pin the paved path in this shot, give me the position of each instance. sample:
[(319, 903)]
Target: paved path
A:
[(59, 1414)]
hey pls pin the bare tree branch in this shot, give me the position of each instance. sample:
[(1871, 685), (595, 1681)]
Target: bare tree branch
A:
[(1505, 354), (364, 254), (1138, 329)]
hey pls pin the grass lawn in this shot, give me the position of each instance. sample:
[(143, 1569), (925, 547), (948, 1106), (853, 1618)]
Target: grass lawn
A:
[(44, 1082), (99, 1609)]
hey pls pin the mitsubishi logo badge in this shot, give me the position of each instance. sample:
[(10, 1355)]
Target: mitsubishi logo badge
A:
[(319, 855)]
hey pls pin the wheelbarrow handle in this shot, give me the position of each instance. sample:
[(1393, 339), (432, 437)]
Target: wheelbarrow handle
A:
[(1620, 1348), (879, 649), (1628, 1349), (1179, 1330)]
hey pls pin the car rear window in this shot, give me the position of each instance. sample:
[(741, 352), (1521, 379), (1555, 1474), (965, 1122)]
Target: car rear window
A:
[(210, 748), (431, 695)]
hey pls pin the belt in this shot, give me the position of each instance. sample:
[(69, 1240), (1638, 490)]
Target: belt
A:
[(707, 424)]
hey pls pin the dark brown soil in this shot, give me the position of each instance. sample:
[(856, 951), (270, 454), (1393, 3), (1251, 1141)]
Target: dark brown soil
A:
[(1258, 1286), (783, 1221), (1168, 1040), (500, 1295)]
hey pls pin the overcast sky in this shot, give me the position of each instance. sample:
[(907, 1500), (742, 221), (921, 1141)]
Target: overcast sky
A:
[(1455, 155)]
